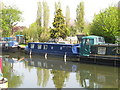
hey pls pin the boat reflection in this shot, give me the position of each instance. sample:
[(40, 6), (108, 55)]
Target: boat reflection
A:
[(88, 76), (56, 72), (14, 80)]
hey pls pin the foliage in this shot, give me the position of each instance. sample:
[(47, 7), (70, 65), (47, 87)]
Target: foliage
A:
[(106, 24), (87, 27), (80, 17), (59, 78), (42, 31), (39, 15), (57, 6), (9, 18), (13, 79), (72, 30), (59, 29), (67, 18), (45, 15)]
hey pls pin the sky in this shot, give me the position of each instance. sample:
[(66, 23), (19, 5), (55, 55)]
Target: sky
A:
[(29, 8)]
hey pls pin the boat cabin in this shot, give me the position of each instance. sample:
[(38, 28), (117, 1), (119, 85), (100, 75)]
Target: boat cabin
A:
[(53, 48), (95, 45), (87, 42)]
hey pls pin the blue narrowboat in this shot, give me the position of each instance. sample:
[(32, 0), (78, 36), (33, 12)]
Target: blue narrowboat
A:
[(92, 49), (8, 44), (53, 49)]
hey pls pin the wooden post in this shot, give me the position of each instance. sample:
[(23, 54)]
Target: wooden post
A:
[(45, 55), (65, 57)]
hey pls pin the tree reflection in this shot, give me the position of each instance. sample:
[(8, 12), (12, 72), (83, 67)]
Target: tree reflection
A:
[(29, 68), (92, 76), (59, 78), (42, 76), (13, 80)]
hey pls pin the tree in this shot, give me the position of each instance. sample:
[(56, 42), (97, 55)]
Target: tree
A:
[(67, 16), (9, 18), (59, 29), (80, 17), (59, 78), (45, 15), (2, 6), (39, 15), (39, 21), (57, 6), (42, 21), (45, 30), (106, 24)]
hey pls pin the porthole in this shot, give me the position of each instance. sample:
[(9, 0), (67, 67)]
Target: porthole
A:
[(39, 46), (45, 47), (51, 47), (32, 45), (61, 48)]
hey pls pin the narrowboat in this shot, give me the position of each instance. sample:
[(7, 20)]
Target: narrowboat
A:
[(8, 44), (93, 49), (53, 49)]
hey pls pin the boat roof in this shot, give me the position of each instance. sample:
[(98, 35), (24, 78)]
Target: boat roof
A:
[(19, 35), (52, 43), (90, 37)]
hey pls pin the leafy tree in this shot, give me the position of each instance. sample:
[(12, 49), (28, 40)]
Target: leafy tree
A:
[(106, 24), (39, 20), (2, 5), (45, 30), (42, 27), (39, 15), (72, 30), (57, 6), (9, 18), (45, 15), (59, 29), (67, 16), (80, 17)]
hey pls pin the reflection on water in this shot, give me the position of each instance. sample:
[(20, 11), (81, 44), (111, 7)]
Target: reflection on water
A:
[(23, 71)]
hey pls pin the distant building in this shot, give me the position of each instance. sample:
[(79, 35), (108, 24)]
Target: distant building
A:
[(18, 28)]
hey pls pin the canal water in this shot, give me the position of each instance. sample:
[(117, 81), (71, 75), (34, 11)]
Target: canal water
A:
[(24, 71)]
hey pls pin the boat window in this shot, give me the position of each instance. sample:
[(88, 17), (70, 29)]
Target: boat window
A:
[(6, 44), (87, 42), (51, 47), (39, 46), (60, 48), (45, 47), (32, 45), (83, 41), (101, 39)]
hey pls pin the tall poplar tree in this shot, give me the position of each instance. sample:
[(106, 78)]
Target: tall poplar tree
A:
[(57, 6), (42, 21), (45, 15), (67, 16), (39, 14), (39, 21), (80, 17)]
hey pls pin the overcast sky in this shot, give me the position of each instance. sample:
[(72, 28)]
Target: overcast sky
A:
[(29, 8)]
